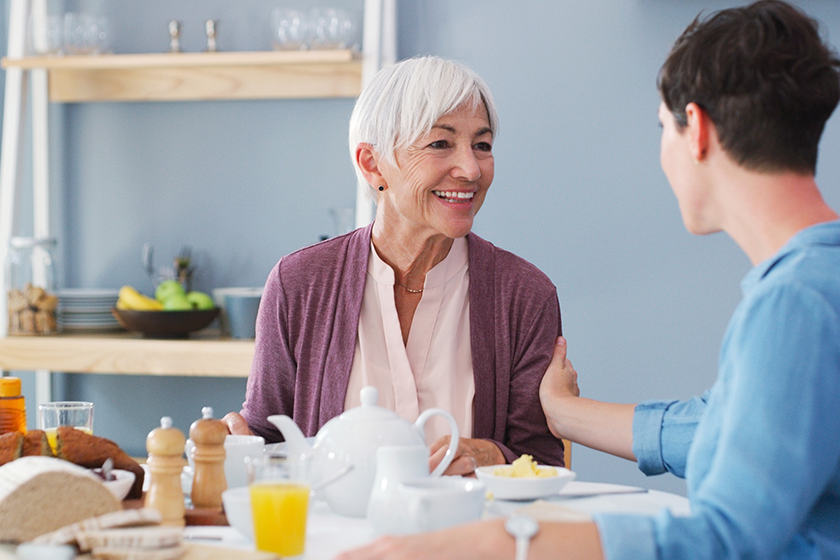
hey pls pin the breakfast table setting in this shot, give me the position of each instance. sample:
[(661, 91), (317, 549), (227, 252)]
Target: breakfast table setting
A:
[(329, 534), (215, 495)]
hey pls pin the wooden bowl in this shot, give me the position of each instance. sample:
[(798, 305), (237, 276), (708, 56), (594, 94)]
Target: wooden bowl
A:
[(164, 324)]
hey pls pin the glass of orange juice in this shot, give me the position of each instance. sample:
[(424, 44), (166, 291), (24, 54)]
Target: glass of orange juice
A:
[(279, 506), (78, 414)]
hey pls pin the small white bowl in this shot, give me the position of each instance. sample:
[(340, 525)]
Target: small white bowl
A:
[(237, 503), (509, 488), (121, 485)]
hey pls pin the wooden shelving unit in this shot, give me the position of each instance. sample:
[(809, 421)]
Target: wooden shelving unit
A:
[(152, 77), (198, 76), (204, 354)]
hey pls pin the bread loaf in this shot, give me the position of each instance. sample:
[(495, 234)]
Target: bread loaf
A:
[(135, 537), (123, 518), (35, 443), (11, 444), (91, 451), (42, 494), (117, 553)]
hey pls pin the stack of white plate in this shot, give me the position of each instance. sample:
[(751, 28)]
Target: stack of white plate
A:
[(86, 309)]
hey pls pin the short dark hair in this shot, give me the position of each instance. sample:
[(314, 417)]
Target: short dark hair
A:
[(765, 78)]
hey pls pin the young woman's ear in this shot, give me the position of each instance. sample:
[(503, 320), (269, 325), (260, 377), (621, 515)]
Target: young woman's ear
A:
[(698, 125)]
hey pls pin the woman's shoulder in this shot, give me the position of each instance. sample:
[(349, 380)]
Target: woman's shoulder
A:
[(507, 267), (325, 258)]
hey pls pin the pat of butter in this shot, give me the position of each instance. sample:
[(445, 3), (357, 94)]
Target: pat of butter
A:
[(525, 467)]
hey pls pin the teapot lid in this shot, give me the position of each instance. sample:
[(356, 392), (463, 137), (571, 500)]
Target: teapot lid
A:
[(369, 409)]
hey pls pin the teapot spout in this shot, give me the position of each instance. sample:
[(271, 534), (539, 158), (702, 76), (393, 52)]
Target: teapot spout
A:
[(295, 440)]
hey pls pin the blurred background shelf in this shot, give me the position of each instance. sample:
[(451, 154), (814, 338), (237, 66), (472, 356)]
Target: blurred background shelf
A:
[(204, 354), (198, 76)]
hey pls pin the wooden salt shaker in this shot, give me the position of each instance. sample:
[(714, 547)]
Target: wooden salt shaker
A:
[(209, 482), (166, 449)]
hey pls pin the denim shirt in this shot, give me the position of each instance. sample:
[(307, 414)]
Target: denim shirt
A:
[(760, 450)]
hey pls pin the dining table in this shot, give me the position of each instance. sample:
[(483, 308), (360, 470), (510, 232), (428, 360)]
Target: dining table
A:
[(329, 534)]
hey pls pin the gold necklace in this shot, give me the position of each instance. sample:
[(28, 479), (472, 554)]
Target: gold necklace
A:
[(409, 290)]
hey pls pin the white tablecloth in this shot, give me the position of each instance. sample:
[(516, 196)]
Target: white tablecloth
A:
[(328, 533)]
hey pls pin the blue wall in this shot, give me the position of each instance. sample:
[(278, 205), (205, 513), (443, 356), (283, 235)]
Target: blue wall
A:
[(578, 190)]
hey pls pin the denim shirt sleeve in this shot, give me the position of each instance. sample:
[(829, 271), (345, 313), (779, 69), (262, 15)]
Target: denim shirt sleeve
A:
[(763, 472), (662, 434)]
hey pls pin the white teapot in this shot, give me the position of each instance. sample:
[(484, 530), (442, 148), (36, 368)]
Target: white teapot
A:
[(344, 450)]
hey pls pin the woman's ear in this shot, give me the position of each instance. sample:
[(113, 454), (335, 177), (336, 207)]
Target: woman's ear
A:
[(698, 127), (368, 161)]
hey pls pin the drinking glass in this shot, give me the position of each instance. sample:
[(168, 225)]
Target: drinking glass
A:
[(332, 28), (47, 35), (85, 33), (52, 415), (289, 29), (279, 506)]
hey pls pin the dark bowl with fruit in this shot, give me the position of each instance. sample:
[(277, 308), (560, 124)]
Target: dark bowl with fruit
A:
[(165, 324)]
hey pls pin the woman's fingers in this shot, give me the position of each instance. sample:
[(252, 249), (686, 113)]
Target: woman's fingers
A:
[(236, 424)]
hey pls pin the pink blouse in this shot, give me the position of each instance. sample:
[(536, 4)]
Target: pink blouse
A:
[(434, 368)]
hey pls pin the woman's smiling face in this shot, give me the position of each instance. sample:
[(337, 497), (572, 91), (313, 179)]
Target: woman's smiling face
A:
[(440, 181)]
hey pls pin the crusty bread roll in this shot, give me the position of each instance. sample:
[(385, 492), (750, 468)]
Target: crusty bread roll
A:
[(35, 443), (91, 451), (41, 494), (11, 444)]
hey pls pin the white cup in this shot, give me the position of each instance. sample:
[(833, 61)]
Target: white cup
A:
[(237, 502), (236, 449), (436, 503)]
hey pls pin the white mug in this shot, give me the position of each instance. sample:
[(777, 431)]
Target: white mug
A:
[(236, 449), (436, 503)]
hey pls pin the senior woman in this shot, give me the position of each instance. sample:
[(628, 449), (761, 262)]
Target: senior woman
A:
[(414, 304)]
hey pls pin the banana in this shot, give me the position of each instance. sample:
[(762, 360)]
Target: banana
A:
[(132, 299)]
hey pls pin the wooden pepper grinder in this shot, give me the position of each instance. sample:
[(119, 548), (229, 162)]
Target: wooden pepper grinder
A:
[(209, 482), (166, 451)]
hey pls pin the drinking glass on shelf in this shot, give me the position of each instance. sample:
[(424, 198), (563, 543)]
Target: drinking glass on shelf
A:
[(47, 35), (332, 28), (85, 33), (289, 29)]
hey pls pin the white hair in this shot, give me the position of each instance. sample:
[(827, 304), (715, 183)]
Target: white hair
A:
[(405, 100)]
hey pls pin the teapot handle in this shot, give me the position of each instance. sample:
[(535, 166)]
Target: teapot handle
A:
[(453, 441)]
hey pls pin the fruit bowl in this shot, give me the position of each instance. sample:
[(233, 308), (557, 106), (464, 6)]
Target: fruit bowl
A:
[(164, 324)]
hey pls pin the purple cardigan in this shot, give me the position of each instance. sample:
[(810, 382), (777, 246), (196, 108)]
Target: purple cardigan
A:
[(306, 337)]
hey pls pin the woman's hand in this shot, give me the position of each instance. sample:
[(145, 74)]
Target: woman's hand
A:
[(471, 454), (236, 424)]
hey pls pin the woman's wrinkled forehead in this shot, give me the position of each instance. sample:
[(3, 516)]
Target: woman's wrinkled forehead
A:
[(406, 136)]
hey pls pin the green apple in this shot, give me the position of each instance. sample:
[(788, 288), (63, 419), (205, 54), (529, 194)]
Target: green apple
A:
[(168, 288), (177, 302), (200, 300)]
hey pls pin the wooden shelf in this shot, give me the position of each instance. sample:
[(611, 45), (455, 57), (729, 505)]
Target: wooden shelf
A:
[(198, 76), (202, 355)]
